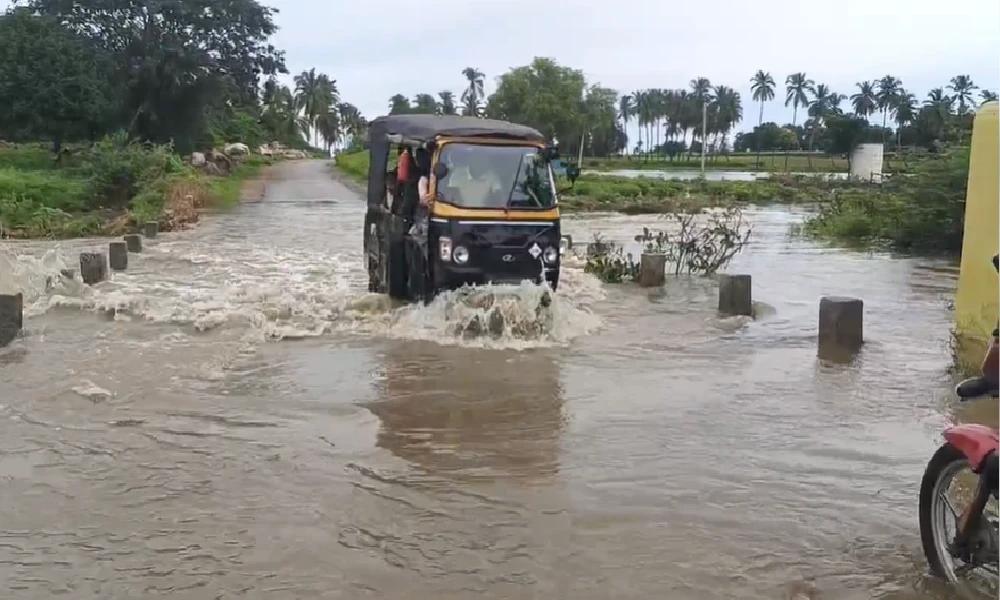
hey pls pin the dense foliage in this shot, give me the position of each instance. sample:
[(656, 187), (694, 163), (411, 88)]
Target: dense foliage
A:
[(922, 211)]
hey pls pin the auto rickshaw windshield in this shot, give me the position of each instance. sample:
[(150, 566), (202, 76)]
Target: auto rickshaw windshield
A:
[(495, 177)]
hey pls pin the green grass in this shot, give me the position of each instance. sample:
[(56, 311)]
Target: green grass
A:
[(354, 165), (37, 199)]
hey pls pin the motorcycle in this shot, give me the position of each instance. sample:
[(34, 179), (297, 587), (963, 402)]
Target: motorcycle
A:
[(975, 543)]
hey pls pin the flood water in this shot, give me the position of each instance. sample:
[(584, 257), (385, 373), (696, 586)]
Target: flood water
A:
[(710, 174), (235, 416)]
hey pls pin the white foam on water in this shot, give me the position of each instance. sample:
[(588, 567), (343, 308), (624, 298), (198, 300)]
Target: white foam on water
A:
[(283, 294)]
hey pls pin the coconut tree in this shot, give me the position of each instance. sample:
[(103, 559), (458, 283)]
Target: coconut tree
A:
[(728, 110), (962, 86), (886, 98), (642, 114), (797, 88), (863, 100), (762, 88), (316, 93), (906, 112), (473, 95), (328, 128), (447, 103), (626, 110), (282, 114), (824, 104)]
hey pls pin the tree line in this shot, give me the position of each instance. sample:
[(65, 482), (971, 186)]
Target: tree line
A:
[(194, 74), (557, 100)]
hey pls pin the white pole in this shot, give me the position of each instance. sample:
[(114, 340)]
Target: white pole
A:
[(704, 128)]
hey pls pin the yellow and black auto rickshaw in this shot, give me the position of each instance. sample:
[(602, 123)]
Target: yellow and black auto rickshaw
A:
[(490, 213)]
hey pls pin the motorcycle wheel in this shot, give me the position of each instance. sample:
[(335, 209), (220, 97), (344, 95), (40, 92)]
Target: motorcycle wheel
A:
[(937, 514)]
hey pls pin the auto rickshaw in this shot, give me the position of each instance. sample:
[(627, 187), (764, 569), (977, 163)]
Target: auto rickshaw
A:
[(490, 215)]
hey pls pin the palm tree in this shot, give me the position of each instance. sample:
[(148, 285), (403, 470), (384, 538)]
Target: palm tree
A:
[(316, 93), (886, 98), (988, 96), (825, 103), (728, 110), (963, 87), (701, 89), (762, 86), (796, 87), (328, 127), (399, 105), (282, 114), (906, 112), (626, 110), (473, 95), (425, 104), (447, 103), (352, 124), (864, 101), (641, 113)]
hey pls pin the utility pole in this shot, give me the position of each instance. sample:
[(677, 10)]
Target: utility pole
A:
[(704, 128)]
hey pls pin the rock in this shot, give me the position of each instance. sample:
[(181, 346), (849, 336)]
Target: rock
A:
[(197, 159), (133, 242), (735, 295), (11, 317), (118, 256), (652, 270), (93, 267), (212, 169), (237, 149)]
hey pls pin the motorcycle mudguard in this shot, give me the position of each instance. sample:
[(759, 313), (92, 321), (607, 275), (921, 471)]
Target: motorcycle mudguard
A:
[(976, 442)]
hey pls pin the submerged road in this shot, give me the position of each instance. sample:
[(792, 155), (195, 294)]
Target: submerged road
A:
[(235, 417)]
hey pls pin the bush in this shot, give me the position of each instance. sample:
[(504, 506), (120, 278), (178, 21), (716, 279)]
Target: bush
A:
[(692, 247), (118, 168), (924, 210)]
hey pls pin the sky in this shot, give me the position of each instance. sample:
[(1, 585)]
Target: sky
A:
[(377, 48)]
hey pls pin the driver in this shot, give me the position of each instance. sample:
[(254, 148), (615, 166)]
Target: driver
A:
[(483, 183)]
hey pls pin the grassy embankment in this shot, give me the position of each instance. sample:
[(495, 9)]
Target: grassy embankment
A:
[(602, 193), (108, 189)]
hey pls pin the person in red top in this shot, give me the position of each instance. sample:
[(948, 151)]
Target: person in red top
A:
[(403, 168)]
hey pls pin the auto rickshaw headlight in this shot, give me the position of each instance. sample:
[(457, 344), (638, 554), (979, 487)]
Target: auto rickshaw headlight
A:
[(444, 248), (461, 254), (551, 255)]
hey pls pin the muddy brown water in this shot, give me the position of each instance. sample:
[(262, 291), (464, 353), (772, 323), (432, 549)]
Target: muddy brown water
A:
[(235, 417)]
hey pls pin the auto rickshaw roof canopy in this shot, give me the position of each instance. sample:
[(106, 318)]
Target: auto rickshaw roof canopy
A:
[(426, 128)]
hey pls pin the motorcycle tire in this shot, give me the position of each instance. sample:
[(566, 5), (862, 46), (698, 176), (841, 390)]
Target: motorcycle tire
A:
[(945, 456)]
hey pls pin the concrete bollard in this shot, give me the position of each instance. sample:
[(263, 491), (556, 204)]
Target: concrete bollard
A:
[(735, 295), (841, 323), (133, 242), (11, 317), (118, 256), (652, 270), (150, 229), (93, 267)]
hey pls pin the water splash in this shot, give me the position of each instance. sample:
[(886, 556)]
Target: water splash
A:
[(274, 293)]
